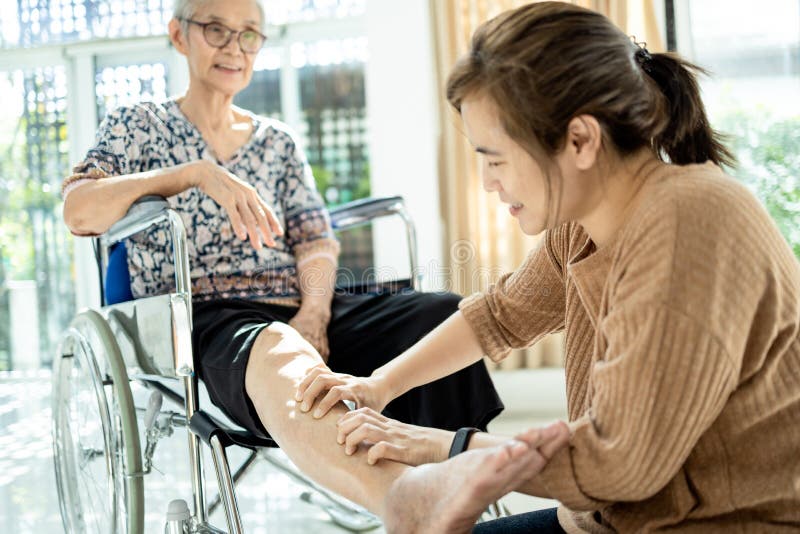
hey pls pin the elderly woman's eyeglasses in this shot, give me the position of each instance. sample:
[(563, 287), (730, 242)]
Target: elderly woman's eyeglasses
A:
[(218, 35)]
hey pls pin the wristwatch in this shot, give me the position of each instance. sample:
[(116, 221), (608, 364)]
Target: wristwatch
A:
[(461, 440)]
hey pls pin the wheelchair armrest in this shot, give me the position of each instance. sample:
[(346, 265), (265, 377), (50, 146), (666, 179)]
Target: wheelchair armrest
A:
[(145, 212), (365, 210)]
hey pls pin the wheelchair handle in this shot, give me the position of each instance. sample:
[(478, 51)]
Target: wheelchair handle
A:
[(364, 210)]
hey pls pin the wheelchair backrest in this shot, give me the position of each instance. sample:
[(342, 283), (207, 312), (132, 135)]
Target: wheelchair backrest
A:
[(117, 283)]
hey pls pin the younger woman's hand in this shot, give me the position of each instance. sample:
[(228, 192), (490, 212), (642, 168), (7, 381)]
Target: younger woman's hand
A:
[(321, 382), (392, 440), (249, 214)]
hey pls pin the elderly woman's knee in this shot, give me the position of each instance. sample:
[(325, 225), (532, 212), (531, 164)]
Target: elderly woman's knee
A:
[(279, 352), (278, 339)]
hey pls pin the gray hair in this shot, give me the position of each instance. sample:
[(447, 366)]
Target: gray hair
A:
[(185, 9)]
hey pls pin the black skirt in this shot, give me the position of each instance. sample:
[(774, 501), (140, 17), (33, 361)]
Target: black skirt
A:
[(365, 332)]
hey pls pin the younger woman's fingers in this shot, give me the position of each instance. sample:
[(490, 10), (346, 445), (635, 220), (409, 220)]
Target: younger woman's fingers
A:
[(550, 448), (335, 395), (313, 373), (386, 451), (536, 437), (350, 422), (365, 432), (320, 384)]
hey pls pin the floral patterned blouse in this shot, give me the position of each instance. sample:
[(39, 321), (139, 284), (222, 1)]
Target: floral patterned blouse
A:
[(150, 136)]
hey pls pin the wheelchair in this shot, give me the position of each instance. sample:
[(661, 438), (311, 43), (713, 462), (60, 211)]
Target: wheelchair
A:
[(104, 441)]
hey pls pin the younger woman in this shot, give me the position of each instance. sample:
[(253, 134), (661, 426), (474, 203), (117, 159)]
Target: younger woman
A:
[(678, 297)]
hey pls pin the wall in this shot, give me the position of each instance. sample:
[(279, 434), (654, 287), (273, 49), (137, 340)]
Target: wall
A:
[(404, 125)]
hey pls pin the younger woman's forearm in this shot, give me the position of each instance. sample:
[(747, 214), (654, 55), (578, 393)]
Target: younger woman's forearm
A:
[(448, 348), (91, 208)]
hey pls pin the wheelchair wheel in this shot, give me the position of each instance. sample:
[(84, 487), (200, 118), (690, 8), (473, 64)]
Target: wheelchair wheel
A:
[(96, 444)]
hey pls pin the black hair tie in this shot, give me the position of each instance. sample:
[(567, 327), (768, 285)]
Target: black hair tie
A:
[(643, 57)]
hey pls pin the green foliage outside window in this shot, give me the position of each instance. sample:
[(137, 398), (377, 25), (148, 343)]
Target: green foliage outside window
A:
[(768, 151), (334, 194)]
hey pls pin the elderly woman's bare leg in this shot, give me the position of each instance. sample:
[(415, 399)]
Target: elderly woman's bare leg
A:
[(279, 360)]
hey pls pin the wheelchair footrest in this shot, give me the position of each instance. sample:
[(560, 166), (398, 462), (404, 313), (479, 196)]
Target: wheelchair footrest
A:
[(204, 426)]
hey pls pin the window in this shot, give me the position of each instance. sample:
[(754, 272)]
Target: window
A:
[(753, 94), (128, 84), (317, 87), (330, 113), (30, 23), (35, 251), (290, 11)]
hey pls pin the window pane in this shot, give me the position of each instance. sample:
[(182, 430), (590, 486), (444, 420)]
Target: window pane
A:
[(304, 10), (753, 52), (128, 84), (32, 22), (263, 95), (35, 248), (335, 128), (333, 104)]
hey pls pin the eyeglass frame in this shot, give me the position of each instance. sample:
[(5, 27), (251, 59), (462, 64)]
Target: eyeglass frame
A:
[(231, 34)]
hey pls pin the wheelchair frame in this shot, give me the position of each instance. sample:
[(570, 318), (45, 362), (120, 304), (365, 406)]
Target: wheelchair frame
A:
[(148, 358)]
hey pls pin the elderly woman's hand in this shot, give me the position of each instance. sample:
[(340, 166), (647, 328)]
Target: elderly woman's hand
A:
[(392, 440), (250, 216), (312, 324), (336, 387)]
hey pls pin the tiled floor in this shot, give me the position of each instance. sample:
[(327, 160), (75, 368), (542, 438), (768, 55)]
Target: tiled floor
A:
[(28, 501)]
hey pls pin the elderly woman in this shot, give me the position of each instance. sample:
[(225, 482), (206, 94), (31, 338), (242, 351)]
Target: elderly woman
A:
[(263, 255)]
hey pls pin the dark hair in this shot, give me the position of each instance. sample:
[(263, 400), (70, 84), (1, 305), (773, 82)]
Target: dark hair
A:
[(548, 62)]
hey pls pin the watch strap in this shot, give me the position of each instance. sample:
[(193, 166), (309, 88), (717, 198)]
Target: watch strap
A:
[(461, 440)]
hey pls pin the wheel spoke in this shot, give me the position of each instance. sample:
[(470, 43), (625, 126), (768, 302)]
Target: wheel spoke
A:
[(80, 431)]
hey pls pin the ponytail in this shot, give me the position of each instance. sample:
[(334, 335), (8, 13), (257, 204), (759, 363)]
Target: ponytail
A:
[(688, 137)]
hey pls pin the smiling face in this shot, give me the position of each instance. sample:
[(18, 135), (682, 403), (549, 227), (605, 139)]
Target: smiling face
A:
[(506, 168), (227, 70), (520, 182)]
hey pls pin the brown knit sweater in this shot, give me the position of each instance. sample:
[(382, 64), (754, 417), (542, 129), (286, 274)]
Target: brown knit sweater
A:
[(682, 360)]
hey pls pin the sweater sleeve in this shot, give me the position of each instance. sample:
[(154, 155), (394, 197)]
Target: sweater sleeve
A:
[(664, 381), (523, 306)]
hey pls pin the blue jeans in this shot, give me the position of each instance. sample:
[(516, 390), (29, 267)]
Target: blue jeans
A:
[(545, 521)]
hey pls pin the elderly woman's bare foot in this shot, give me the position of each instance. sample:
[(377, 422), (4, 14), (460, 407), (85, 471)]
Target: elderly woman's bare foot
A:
[(450, 496)]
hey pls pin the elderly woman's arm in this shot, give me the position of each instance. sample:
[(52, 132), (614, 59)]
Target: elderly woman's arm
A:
[(250, 216), (315, 278), (115, 173), (115, 194)]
